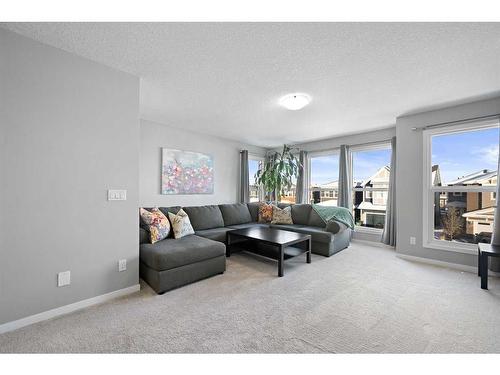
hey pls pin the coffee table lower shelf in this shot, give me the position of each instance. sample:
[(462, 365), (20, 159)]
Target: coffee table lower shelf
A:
[(275, 244)]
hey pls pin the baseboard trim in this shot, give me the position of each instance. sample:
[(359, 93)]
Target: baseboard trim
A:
[(16, 324), (373, 243), (456, 266)]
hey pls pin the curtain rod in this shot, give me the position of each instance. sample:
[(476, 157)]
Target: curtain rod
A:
[(355, 145), (441, 124)]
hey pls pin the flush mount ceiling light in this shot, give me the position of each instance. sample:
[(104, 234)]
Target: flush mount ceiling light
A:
[(296, 101)]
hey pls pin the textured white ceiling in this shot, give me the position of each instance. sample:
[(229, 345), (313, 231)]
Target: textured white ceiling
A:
[(225, 79)]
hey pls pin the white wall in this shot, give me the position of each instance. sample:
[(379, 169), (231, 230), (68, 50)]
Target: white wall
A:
[(409, 178), (154, 136), (70, 129)]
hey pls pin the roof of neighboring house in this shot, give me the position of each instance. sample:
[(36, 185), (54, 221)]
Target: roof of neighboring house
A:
[(370, 206), (475, 178), (484, 213), (374, 178), (328, 185)]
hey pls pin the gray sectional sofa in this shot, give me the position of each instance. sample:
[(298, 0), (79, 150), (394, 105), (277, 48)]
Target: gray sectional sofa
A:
[(171, 263)]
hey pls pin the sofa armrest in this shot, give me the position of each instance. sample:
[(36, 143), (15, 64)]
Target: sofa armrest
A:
[(335, 227)]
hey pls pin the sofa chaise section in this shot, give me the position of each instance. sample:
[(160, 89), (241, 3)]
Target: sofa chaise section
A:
[(171, 263)]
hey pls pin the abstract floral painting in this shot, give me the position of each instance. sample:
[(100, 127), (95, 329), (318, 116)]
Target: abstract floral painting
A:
[(186, 172)]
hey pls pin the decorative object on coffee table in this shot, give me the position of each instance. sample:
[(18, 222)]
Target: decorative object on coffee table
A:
[(186, 172), (281, 241)]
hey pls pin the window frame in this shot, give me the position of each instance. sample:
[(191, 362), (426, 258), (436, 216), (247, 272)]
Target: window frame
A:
[(428, 191), (382, 145)]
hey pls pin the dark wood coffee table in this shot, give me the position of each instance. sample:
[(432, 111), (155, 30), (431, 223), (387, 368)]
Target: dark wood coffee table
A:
[(279, 239)]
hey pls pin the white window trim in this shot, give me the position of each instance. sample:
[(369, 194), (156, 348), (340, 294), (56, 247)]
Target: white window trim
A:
[(428, 190)]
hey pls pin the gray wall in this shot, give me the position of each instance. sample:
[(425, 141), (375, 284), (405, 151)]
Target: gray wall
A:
[(410, 175), (71, 131), (154, 136), (355, 139)]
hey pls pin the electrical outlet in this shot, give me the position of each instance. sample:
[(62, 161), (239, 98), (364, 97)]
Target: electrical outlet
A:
[(413, 241), (64, 278), (122, 265)]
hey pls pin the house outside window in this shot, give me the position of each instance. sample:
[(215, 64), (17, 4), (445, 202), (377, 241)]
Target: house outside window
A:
[(370, 171), (459, 206)]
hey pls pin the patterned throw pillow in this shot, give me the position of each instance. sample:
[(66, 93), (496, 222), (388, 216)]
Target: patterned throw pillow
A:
[(282, 216), (157, 222), (265, 213), (181, 224)]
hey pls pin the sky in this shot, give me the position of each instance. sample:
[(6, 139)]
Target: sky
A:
[(460, 154), (456, 154), (365, 163), (253, 166)]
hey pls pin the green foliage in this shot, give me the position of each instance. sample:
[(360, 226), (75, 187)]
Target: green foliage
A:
[(278, 171)]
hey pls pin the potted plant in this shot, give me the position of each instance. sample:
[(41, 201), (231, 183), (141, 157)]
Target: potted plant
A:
[(277, 173)]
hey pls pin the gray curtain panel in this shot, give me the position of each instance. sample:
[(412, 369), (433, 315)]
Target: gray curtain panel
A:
[(345, 178), (389, 233), (495, 239), (244, 180), (301, 188)]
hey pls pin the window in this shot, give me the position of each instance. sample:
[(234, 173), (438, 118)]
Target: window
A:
[(254, 164), (370, 170), (324, 175), (460, 181)]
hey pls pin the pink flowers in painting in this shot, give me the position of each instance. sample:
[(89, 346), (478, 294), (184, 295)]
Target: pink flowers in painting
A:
[(186, 172)]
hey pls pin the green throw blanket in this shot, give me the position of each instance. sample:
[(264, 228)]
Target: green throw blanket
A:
[(340, 214)]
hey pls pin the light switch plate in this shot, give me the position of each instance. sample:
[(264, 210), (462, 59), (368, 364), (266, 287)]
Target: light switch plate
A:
[(64, 278), (117, 195), (122, 265), (413, 241)]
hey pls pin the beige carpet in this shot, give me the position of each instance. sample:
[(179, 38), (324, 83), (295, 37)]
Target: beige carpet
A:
[(362, 300)]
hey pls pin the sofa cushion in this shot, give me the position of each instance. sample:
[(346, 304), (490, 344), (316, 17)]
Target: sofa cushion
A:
[(317, 234), (236, 213), (253, 208), (205, 217), (171, 253), (181, 225), (172, 209), (143, 236), (265, 212), (315, 220), (300, 213), (282, 215), (335, 227), (157, 223), (286, 226), (216, 234), (283, 205), (249, 225)]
